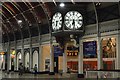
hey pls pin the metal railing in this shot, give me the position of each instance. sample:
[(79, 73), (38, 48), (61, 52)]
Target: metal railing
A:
[(103, 74)]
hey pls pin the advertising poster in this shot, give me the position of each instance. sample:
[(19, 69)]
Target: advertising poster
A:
[(90, 49)]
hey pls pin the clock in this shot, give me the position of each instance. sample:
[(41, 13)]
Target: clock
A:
[(73, 20), (57, 21)]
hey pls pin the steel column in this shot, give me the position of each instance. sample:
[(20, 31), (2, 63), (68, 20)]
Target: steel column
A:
[(99, 53)]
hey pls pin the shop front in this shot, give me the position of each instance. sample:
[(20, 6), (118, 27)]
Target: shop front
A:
[(108, 50), (45, 58), (108, 47)]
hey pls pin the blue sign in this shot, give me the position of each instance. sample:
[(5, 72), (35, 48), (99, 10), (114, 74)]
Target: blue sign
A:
[(57, 51), (90, 48)]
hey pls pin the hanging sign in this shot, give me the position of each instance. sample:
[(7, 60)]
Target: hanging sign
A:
[(57, 51)]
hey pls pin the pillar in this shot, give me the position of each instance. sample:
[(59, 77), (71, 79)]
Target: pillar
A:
[(30, 60), (117, 59), (30, 56), (39, 59), (22, 53), (40, 51), (117, 62), (99, 56), (15, 67), (51, 58), (118, 43), (65, 60), (8, 57), (80, 60)]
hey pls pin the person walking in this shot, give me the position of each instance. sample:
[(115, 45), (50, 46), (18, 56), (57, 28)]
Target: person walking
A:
[(35, 69), (21, 68)]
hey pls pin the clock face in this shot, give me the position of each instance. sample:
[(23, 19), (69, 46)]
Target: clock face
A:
[(73, 20), (57, 21)]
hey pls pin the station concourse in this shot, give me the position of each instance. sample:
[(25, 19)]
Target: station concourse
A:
[(59, 39)]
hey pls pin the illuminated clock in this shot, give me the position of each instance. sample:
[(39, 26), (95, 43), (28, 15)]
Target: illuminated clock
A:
[(73, 20), (57, 21)]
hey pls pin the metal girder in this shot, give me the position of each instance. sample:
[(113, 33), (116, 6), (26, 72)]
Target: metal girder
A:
[(119, 15), (99, 53), (91, 18), (9, 24), (6, 31), (107, 12), (13, 17), (119, 9), (35, 16), (11, 29), (25, 20)]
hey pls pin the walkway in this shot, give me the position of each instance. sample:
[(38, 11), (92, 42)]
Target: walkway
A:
[(28, 76)]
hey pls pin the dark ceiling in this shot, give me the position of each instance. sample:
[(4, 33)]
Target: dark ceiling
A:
[(35, 17)]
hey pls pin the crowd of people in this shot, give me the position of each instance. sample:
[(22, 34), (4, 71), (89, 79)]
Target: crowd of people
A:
[(22, 69)]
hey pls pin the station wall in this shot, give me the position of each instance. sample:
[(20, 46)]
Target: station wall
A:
[(108, 29)]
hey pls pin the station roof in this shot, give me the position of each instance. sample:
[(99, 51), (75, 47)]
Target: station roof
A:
[(28, 19)]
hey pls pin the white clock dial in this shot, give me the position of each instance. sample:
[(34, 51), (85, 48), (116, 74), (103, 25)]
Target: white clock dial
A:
[(57, 21), (73, 20)]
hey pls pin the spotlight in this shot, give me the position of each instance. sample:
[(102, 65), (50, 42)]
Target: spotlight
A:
[(19, 21), (62, 4)]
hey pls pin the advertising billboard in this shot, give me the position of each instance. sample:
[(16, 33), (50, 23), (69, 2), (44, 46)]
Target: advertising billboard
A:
[(90, 49)]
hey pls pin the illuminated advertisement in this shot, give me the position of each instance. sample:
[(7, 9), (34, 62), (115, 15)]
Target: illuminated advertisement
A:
[(90, 49), (109, 47)]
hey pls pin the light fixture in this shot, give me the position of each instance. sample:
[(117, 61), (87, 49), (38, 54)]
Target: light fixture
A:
[(39, 22), (62, 4), (98, 4), (30, 24), (73, 1), (19, 21)]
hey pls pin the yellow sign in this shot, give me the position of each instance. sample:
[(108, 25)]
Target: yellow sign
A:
[(2, 53), (13, 52)]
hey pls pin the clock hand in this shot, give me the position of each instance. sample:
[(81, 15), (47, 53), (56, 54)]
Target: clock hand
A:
[(73, 23), (56, 23)]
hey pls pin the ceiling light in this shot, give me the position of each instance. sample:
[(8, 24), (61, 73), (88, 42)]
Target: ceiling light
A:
[(19, 21), (30, 24), (62, 4)]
